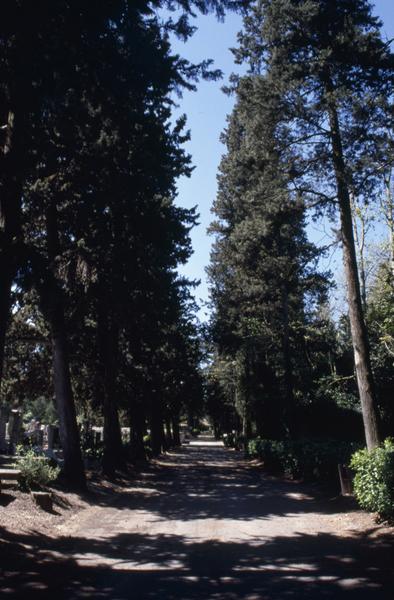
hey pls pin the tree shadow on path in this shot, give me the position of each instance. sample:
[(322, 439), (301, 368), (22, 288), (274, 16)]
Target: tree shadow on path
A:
[(197, 484), (176, 568)]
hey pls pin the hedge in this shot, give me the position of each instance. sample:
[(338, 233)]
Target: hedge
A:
[(303, 459)]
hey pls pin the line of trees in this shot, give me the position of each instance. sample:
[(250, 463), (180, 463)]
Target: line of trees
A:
[(90, 237), (92, 310), (311, 131)]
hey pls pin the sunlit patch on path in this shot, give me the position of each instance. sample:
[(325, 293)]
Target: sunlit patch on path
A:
[(203, 523)]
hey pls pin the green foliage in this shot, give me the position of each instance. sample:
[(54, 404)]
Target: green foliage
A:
[(42, 409), (36, 472), (95, 157), (27, 367), (299, 96), (374, 479), (305, 458), (264, 282), (380, 318), (298, 47)]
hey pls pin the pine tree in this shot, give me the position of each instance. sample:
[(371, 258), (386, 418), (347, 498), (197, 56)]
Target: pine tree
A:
[(332, 74), (262, 269), (88, 223)]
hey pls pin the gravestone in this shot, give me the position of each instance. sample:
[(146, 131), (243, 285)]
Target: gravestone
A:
[(34, 433), (98, 434)]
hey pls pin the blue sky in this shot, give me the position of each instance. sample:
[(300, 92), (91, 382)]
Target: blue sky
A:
[(206, 111)]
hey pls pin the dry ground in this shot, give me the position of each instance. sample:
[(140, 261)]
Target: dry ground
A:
[(201, 523)]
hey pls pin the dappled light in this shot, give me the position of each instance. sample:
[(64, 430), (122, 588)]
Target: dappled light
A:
[(202, 524)]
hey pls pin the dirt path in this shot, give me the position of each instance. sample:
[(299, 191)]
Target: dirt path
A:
[(202, 524)]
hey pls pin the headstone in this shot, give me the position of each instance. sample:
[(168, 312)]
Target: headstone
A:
[(98, 433), (34, 433)]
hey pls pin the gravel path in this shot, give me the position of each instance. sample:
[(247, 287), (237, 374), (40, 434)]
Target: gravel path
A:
[(203, 524)]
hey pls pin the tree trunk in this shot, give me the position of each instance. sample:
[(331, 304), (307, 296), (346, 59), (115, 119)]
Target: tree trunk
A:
[(5, 302), (243, 391), (69, 434), (156, 426), (175, 431), (53, 308), (163, 436), (137, 432), (113, 456), (288, 408), (108, 340), (168, 433), (259, 422), (270, 413), (362, 361)]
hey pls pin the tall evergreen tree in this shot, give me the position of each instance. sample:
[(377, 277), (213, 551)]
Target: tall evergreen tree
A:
[(88, 168), (262, 269), (332, 73)]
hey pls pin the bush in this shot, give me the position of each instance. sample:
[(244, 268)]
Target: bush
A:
[(305, 458), (36, 472), (374, 479)]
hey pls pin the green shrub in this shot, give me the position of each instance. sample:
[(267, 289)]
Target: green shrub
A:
[(304, 458), (36, 472), (374, 479)]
